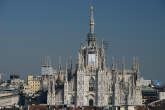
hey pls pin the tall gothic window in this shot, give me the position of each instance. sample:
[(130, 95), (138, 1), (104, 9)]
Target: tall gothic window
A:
[(91, 84)]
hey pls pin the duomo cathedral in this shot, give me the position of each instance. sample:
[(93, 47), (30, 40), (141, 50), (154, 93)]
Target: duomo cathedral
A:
[(91, 82)]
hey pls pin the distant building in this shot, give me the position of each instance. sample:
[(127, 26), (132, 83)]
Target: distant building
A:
[(14, 76), (152, 90), (149, 95), (145, 83), (33, 84), (8, 98), (161, 95), (16, 82)]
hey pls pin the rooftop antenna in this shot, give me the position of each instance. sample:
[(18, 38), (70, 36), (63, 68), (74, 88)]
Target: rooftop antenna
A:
[(70, 62), (135, 63)]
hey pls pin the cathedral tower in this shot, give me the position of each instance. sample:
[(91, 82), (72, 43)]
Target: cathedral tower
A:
[(91, 71)]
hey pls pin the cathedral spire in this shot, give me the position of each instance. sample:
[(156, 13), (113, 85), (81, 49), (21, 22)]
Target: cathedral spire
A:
[(91, 34), (123, 68), (66, 73), (59, 63), (123, 64), (113, 63), (53, 91), (92, 21)]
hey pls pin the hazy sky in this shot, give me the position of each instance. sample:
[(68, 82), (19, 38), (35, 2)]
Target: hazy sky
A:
[(32, 29)]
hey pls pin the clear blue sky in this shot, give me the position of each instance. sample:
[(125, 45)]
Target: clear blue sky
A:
[(32, 29)]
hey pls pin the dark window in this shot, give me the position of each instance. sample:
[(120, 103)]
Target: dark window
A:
[(91, 84), (90, 102)]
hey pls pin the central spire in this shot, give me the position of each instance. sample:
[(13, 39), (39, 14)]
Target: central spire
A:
[(91, 34), (92, 21)]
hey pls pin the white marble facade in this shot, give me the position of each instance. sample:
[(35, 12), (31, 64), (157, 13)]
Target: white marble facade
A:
[(92, 83)]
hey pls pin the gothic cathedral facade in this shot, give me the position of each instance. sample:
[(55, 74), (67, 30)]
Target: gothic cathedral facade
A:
[(92, 83)]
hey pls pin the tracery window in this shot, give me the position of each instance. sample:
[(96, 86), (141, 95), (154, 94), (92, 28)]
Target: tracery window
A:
[(92, 84)]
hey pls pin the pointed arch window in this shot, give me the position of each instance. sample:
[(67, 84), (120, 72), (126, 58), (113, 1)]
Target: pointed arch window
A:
[(92, 84)]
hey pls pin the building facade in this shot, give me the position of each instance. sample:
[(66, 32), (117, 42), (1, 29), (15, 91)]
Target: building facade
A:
[(92, 83), (33, 84), (8, 98)]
